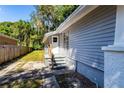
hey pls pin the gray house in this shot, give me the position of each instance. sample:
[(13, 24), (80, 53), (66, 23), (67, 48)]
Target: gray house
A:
[(92, 41)]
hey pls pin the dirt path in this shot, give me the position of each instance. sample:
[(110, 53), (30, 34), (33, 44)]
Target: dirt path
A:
[(22, 74), (35, 74), (27, 72), (31, 61), (9, 68), (20, 66)]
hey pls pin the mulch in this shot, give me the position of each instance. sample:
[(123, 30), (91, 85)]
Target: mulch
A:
[(85, 82)]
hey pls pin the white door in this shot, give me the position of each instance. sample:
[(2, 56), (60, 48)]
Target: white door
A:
[(55, 45)]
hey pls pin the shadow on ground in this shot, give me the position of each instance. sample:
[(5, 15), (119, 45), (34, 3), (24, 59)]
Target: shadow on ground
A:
[(22, 74), (6, 64), (26, 79)]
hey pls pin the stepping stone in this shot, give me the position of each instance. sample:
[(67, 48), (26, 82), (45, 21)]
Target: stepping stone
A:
[(50, 82)]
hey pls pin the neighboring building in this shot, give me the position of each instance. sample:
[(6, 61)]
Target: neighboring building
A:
[(81, 39), (6, 40)]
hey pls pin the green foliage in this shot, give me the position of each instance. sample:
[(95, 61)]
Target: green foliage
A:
[(6, 28), (20, 30), (45, 18), (49, 17)]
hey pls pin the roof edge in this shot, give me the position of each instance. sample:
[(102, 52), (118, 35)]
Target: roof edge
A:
[(80, 12), (48, 34)]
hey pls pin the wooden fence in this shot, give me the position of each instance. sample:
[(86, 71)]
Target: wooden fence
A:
[(9, 52)]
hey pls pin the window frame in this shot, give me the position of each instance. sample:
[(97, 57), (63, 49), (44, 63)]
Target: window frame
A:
[(53, 39)]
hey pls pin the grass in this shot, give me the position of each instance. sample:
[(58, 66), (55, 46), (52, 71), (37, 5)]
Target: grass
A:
[(24, 83), (37, 55)]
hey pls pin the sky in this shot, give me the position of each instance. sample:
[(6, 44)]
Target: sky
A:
[(15, 12)]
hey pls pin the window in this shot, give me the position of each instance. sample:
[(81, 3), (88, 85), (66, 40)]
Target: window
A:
[(66, 41), (54, 39)]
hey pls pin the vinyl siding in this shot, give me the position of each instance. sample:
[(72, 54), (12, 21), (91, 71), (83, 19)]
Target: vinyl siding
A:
[(87, 36)]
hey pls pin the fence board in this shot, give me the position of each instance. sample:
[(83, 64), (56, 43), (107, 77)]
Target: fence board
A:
[(9, 52)]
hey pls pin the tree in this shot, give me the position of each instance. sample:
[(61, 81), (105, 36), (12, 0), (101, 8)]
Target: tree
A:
[(45, 18), (51, 17), (20, 30)]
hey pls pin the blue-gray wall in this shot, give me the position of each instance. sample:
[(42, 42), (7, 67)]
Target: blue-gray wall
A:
[(87, 36)]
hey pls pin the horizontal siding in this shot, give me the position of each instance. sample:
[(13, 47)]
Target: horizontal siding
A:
[(87, 36), (91, 33)]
